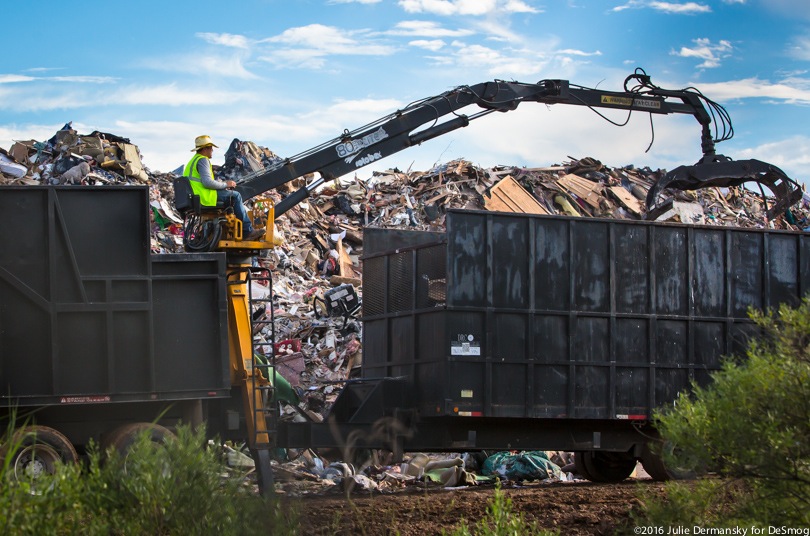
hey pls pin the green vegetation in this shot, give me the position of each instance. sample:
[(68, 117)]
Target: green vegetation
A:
[(179, 488), (752, 426), (501, 520)]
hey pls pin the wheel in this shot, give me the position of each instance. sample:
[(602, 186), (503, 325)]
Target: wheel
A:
[(600, 466), (580, 467), (124, 437), (657, 460), (36, 451)]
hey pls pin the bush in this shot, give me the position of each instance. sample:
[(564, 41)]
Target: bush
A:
[(501, 520), (179, 488), (752, 425)]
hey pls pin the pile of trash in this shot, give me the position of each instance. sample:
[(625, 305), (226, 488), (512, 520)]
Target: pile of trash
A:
[(310, 473), (318, 346)]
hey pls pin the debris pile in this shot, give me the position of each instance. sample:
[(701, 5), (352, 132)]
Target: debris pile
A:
[(317, 271), (578, 187), (310, 473)]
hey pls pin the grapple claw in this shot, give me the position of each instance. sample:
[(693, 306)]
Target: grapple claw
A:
[(724, 172)]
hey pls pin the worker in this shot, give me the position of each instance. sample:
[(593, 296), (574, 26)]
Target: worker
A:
[(212, 191)]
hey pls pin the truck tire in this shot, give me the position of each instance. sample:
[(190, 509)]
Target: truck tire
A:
[(604, 467), (36, 451), (653, 459), (579, 466), (124, 437)]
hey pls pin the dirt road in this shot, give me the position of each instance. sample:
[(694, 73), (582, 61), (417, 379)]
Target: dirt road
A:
[(573, 508)]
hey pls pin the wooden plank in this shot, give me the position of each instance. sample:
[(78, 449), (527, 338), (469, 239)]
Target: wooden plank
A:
[(344, 261), (626, 199), (336, 280), (587, 191), (549, 168), (509, 196)]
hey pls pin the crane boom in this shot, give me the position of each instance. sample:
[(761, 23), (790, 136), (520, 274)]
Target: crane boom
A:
[(419, 122)]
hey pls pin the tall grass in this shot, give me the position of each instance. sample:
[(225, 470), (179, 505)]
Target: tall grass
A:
[(180, 488)]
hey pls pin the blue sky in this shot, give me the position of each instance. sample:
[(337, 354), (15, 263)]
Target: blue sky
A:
[(290, 75)]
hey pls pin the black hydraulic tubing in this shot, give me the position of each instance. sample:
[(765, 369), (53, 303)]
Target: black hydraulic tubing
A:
[(399, 130), (296, 197)]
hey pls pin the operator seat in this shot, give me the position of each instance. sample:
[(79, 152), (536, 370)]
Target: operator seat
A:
[(185, 200)]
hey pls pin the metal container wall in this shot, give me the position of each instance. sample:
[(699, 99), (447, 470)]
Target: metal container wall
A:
[(88, 314), (516, 315)]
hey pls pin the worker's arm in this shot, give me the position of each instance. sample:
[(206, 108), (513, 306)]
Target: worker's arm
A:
[(207, 176)]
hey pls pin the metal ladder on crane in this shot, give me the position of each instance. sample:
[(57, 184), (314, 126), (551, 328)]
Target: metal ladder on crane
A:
[(262, 378)]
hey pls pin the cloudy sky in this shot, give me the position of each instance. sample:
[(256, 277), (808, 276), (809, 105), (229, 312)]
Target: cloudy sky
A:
[(290, 75)]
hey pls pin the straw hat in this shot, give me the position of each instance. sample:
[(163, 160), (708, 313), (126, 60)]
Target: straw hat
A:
[(203, 141)]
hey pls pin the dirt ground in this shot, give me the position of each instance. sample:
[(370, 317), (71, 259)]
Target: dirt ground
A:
[(572, 508)]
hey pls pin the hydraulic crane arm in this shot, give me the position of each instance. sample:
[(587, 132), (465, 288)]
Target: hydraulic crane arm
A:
[(419, 122), (391, 134)]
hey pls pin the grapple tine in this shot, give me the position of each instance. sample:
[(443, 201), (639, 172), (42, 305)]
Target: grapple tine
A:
[(724, 172)]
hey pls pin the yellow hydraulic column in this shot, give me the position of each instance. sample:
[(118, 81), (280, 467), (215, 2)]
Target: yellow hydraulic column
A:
[(243, 374)]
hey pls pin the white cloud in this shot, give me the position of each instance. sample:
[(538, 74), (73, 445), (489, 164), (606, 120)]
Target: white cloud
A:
[(42, 69), (516, 6), (466, 7), (225, 39), (432, 45), (353, 112), (711, 54), (48, 97), (687, 8), (327, 38), (9, 134), (307, 46), (298, 131), (165, 145), (787, 91), (497, 29), (800, 48), (495, 63), (448, 7), (793, 9), (215, 65), (540, 135), (174, 95), (574, 52), (296, 58), (82, 79), (523, 59), (424, 28), (791, 155), (14, 78), (37, 100)]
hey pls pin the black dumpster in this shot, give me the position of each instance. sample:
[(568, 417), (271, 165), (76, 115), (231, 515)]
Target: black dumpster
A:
[(89, 315), (513, 315)]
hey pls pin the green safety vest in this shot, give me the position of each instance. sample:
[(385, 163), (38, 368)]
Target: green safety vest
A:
[(208, 197)]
